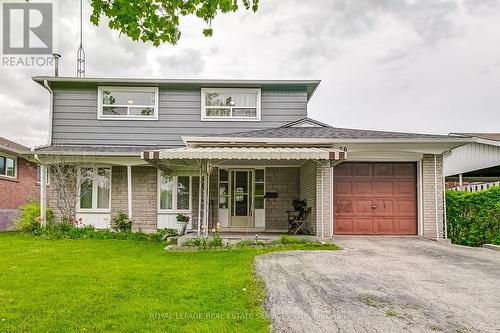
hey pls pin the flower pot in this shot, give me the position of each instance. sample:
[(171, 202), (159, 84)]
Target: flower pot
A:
[(181, 226)]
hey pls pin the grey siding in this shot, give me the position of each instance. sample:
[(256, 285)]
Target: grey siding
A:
[(75, 117)]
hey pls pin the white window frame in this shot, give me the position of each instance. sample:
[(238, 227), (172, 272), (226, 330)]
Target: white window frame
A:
[(174, 195), (204, 116), (101, 116), (11, 157), (94, 190)]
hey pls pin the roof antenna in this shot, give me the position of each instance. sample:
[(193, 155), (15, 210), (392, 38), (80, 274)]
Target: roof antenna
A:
[(80, 63)]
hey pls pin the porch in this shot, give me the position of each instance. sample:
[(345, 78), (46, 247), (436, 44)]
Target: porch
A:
[(249, 190)]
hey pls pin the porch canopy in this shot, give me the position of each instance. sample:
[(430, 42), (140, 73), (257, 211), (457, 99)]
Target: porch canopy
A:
[(246, 153), (200, 160)]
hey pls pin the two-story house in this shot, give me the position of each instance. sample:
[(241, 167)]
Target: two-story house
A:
[(238, 152)]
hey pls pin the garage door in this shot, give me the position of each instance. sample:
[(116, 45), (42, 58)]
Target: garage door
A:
[(375, 198)]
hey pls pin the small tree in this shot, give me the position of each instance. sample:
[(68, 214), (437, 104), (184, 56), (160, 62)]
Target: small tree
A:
[(66, 184)]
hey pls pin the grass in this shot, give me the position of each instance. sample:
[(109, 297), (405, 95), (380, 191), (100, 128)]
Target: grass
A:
[(128, 286)]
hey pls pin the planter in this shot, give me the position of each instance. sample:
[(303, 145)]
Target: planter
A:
[(181, 226)]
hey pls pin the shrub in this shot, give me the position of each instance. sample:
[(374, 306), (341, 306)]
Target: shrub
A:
[(121, 223), (474, 218), (167, 232), (287, 240), (29, 220)]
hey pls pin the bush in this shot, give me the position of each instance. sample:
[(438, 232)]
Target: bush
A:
[(287, 240), (167, 232), (122, 223), (29, 220), (474, 218)]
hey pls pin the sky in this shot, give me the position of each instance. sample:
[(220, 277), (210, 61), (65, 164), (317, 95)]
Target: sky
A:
[(429, 66)]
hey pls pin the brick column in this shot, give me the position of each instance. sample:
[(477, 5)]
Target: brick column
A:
[(432, 191), (324, 199), (144, 197)]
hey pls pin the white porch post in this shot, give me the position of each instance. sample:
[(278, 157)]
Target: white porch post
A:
[(460, 180), (199, 201), (129, 190), (43, 194)]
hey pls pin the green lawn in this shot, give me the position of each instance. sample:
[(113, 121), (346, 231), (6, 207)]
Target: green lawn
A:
[(126, 286)]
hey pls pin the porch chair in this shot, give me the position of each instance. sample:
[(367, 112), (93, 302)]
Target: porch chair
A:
[(297, 220)]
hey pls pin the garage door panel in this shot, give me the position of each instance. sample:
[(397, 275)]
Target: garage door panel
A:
[(405, 208), (383, 207), (404, 188), (344, 226), (383, 225), (362, 188), (383, 188), (343, 170), (361, 170), (343, 206), (405, 226), (363, 207), (383, 170), (405, 170), (363, 226), (375, 198), (343, 188)]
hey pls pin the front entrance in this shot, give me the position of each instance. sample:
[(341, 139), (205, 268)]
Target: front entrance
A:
[(375, 198), (241, 205)]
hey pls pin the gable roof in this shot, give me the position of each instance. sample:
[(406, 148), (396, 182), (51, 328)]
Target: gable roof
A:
[(13, 147), (310, 85), (306, 122)]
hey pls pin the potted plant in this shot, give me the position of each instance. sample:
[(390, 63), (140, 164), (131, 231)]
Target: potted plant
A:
[(299, 205), (182, 221)]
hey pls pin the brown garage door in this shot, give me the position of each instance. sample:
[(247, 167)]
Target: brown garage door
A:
[(375, 198)]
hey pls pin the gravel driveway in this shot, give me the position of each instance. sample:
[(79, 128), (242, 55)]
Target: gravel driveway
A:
[(383, 285)]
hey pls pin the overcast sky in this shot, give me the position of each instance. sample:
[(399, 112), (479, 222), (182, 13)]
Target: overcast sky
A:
[(403, 65)]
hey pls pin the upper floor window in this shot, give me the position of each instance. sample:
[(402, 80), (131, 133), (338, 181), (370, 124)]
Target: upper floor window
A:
[(7, 166), (230, 104), (138, 103)]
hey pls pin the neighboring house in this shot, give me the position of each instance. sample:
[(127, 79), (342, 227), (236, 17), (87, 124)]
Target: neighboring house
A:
[(476, 165), (238, 152), (18, 181)]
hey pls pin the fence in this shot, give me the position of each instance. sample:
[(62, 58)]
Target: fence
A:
[(475, 187)]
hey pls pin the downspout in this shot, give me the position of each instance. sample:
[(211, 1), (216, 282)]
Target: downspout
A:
[(129, 191), (435, 197), (51, 109), (43, 191), (331, 201)]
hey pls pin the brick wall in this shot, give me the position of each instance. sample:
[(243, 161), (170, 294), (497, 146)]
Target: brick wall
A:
[(144, 198), (429, 188), (308, 193), (16, 192), (119, 191), (286, 182), (323, 208)]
